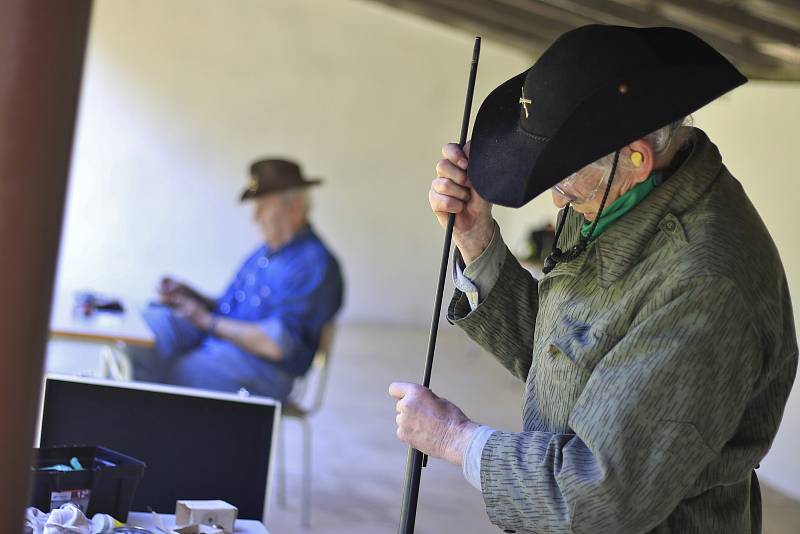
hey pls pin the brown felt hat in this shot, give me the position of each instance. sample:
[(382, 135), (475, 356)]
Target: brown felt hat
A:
[(273, 175)]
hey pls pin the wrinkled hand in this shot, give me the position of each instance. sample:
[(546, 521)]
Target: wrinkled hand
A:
[(431, 424), (452, 192), (170, 290), (192, 310)]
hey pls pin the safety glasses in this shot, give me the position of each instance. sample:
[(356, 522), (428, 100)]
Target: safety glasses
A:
[(582, 186)]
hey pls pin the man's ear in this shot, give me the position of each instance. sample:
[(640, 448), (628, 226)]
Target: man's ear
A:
[(638, 159)]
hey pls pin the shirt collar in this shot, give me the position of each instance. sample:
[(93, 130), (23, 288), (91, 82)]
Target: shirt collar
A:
[(304, 233), (621, 245)]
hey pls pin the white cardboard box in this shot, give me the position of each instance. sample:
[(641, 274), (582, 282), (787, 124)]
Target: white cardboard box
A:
[(206, 513)]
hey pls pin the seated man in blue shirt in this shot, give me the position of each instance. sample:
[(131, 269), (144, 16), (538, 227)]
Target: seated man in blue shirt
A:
[(264, 330)]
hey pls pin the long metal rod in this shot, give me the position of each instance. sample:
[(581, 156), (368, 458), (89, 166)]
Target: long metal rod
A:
[(416, 460)]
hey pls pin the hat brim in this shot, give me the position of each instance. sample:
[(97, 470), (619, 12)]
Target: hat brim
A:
[(510, 166), (249, 194)]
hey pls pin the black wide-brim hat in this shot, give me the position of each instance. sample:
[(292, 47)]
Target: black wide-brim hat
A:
[(594, 90), (273, 175)]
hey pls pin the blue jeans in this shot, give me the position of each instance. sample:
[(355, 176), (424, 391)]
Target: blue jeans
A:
[(186, 356)]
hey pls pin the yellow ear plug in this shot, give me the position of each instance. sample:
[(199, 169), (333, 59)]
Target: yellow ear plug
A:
[(636, 159)]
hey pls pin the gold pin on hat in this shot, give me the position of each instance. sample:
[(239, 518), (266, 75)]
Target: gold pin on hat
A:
[(253, 185), (525, 101)]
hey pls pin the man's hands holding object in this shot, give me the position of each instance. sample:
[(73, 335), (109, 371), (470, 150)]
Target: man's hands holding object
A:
[(431, 424)]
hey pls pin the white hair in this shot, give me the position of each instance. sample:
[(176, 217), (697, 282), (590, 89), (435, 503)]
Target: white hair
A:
[(666, 141), (670, 136), (298, 192), (295, 192)]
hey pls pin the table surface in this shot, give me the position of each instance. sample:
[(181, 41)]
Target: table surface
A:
[(100, 327), (146, 520)]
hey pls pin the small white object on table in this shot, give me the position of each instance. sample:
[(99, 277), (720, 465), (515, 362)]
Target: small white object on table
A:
[(146, 520)]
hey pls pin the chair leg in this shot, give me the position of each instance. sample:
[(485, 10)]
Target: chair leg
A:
[(306, 473), (116, 363), (281, 466), (124, 365)]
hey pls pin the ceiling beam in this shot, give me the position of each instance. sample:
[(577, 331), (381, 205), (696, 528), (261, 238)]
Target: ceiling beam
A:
[(551, 11), (492, 11), (511, 35), (742, 54), (737, 20), (531, 25), (790, 6)]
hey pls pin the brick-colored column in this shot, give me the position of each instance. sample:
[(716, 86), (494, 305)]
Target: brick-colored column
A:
[(42, 46)]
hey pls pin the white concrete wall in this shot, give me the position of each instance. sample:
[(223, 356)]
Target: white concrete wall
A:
[(179, 96)]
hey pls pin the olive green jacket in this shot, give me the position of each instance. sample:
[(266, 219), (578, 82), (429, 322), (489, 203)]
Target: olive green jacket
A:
[(657, 366)]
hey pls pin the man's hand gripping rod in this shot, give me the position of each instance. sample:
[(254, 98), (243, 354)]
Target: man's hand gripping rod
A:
[(416, 460)]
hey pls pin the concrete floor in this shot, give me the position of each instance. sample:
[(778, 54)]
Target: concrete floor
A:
[(359, 464)]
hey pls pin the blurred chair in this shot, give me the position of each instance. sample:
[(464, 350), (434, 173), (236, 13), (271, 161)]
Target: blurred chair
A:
[(304, 401)]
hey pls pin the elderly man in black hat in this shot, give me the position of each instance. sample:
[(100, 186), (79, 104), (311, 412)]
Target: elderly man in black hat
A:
[(263, 331), (659, 348)]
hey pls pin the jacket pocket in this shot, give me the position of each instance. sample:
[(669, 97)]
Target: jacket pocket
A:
[(581, 343), (563, 363), (557, 385)]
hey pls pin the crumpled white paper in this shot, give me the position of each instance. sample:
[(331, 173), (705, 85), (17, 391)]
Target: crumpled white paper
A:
[(66, 520)]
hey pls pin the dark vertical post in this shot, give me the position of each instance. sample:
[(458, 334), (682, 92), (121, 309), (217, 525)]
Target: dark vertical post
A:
[(42, 46)]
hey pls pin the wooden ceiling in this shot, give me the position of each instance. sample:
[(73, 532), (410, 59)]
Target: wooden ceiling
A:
[(760, 37)]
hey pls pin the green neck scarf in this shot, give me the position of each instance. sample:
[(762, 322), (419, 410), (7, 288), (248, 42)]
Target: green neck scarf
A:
[(622, 205)]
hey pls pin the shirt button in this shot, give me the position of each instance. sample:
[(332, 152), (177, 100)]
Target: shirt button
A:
[(669, 226), (255, 301), (263, 262), (240, 296)]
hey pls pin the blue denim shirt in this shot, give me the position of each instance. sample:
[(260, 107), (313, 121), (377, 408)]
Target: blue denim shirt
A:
[(290, 292)]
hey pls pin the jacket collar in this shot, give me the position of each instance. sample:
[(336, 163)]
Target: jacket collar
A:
[(622, 244)]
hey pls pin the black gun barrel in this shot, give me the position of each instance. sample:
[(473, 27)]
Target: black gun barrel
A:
[(416, 460)]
